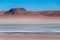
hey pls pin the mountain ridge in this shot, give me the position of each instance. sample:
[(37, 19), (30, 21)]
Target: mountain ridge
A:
[(22, 11)]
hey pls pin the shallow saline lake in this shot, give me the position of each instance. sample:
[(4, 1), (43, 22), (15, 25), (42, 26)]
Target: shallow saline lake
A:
[(30, 29)]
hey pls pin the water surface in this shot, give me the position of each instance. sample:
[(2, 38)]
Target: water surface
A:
[(30, 29)]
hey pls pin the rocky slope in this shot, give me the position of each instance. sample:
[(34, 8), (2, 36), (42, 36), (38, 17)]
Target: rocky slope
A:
[(22, 11)]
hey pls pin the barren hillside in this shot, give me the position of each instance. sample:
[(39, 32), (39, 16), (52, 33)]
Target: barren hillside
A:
[(23, 13)]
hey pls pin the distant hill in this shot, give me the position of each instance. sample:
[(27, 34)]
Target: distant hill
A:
[(22, 11)]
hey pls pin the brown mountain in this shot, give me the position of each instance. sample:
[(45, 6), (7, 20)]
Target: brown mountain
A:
[(22, 11)]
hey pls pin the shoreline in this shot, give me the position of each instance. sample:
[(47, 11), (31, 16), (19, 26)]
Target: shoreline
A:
[(29, 37), (30, 33), (28, 21)]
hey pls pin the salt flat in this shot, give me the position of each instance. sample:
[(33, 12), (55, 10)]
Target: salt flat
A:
[(27, 21)]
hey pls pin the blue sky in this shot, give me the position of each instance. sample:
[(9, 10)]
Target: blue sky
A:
[(34, 5)]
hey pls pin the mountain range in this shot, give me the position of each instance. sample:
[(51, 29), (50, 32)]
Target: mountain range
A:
[(24, 12)]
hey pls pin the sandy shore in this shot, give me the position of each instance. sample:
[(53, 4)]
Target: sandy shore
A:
[(29, 20), (29, 37), (31, 17), (38, 19)]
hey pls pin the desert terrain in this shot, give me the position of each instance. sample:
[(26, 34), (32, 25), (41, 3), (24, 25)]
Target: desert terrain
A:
[(23, 13), (29, 37), (23, 16)]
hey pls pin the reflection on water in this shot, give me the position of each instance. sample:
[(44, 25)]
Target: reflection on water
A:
[(29, 28)]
